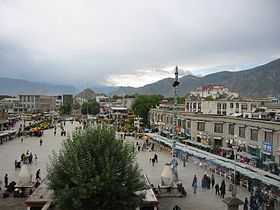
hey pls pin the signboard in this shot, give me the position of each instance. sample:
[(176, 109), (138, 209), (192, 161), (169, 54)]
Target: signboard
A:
[(267, 146), (187, 130)]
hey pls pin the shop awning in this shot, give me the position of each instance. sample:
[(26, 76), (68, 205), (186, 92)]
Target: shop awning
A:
[(253, 146), (267, 153), (226, 148), (268, 162)]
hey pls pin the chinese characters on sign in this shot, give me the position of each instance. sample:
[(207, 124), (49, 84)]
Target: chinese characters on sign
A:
[(267, 146)]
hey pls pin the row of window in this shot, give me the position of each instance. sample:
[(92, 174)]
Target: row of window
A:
[(218, 128), (27, 98)]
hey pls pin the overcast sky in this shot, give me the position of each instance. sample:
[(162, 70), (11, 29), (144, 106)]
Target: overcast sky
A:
[(131, 42)]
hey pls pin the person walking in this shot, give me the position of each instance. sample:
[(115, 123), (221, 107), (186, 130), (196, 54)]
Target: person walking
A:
[(213, 180), (156, 158), (41, 142), (38, 175), (217, 189), (153, 161), (245, 207), (194, 184), (6, 180), (35, 157), (223, 188)]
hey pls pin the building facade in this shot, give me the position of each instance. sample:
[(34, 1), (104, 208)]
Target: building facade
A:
[(223, 107), (258, 139), (34, 103), (213, 90)]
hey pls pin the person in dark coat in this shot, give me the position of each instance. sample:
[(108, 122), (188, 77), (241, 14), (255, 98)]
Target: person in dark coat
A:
[(223, 188), (6, 180), (156, 157), (245, 207), (213, 180), (153, 161), (194, 184), (38, 176), (217, 189)]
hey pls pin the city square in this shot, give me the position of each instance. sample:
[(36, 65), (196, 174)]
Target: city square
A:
[(12, 150)]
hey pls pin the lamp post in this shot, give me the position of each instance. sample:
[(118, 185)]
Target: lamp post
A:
[(233, 202), (137, 123), (175, 85), (235, 148), (117, 113)]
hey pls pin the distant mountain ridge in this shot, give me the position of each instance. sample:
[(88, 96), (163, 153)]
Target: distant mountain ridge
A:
[(9, 86), (261, 81)]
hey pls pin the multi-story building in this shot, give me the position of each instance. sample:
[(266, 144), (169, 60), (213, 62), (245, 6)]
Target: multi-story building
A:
[(258, 139), (35, 103), (223, 107), (213, 90), (67, 99)]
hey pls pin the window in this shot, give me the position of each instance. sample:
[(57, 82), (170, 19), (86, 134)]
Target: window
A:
[(189, 123), (201, 126), (268, 136), (231, 105), (252, 151), (224, 105), (254, 134), (242, 132), (183, 123), (224, 112), (179, 122), (218, 106), (199, 105), (237, 105), (231, 129), (187, 106), (218, 128), (218, 111), (194, 105), (244, 106)]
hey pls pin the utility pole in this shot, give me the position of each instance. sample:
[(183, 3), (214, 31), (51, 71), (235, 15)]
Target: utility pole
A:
[(174, 136)]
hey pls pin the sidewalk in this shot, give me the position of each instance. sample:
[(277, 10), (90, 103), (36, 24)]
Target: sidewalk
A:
[(203, 199)]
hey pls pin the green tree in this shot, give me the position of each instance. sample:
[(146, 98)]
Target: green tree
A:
[(65, 109), (76, 105), (95, 170), (91, 107), (142, 104)]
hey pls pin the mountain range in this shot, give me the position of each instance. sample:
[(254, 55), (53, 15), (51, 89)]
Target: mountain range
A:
[(9, 86), (261, 81)]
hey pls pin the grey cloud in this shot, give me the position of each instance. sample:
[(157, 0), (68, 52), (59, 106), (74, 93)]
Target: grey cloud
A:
[(68, 42)]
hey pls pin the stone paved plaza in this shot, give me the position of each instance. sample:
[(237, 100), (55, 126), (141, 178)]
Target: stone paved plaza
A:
[(204, 199)]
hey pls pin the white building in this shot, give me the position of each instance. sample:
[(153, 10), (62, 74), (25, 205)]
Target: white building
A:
[(223, 107), (214, 90)]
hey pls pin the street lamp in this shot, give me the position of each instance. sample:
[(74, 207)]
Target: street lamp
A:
[(137, 123), (233, 202), (175, 85), (235, 148), (117, 113)]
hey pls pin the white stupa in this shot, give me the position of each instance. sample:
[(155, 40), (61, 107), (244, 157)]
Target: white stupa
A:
[(167, 175), (24, 176)]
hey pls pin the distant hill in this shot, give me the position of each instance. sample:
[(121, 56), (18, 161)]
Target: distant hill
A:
[(13, 87), (87, 94), (261, 81)]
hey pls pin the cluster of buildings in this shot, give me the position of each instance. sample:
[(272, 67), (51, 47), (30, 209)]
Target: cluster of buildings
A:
[(34, 103), (117, 108), (216, 124)]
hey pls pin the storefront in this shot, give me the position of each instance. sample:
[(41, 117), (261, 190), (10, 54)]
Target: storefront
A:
[(254, 151)]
